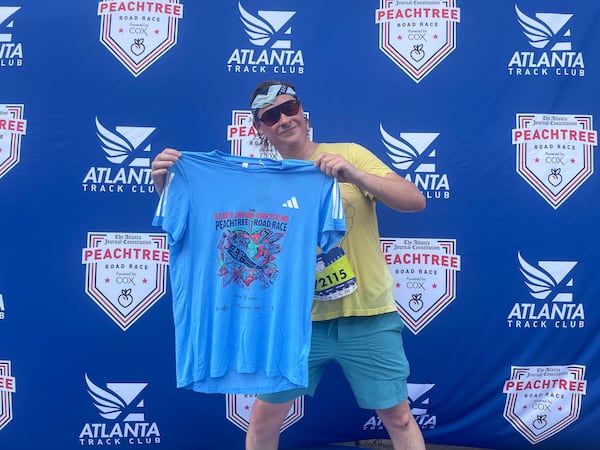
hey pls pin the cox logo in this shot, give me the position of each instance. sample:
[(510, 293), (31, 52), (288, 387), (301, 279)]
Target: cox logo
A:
[(415, 285), (541, 407), (416, 37), (555, 160), (138, 30), (125, 280)]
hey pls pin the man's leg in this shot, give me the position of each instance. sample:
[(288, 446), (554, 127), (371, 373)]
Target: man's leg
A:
[(402, 427), (265, 422)]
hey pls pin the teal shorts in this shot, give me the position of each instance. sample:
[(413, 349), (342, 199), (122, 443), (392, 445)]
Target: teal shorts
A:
[(371, 354)]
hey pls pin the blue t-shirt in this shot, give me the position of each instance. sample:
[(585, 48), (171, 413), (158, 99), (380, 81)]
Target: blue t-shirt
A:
[(243, 234)]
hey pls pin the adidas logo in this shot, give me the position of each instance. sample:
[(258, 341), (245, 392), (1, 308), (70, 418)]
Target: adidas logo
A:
[(291, 203)]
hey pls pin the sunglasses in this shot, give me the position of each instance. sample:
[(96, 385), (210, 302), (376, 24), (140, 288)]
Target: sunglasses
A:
[(271, 116)]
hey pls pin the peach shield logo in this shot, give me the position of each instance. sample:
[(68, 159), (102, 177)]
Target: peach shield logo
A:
[(424, 272), (240, 405), (417, 38), (12, 127), (555, 153), (245, 140), (7, 389), (125, 273), (139, 33), (543, 400), (11, 53)]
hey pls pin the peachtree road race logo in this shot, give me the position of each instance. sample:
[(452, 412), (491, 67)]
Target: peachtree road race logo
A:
[(125, 273), (555, 153), (413, 155), (417, 34), (418, 399), (128, 150), (424, 272), (270, 32), (543, 400), (121, 405), (244, 138), (12, 127), (7, 389), (138, 33), (11, 53), (550, 36), (240, 405), (551, 284)]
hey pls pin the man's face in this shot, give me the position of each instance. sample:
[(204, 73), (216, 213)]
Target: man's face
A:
[(287, 130)]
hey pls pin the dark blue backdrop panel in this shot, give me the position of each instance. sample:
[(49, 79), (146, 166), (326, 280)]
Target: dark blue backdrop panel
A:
[(489, 107)]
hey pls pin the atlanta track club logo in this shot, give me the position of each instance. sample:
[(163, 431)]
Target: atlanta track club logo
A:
[(550, 285), (121, 407), (127, 149), (139, 33), (417, 38), (543, 400), (12, 127), (550, 51), (555, 153), (125, 273), (269, 33), (424, 272)]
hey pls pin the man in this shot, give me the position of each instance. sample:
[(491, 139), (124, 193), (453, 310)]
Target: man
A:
[(360, 329)]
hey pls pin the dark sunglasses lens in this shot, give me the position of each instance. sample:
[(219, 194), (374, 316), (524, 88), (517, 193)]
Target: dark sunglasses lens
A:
[(290, 108), (271, 116)]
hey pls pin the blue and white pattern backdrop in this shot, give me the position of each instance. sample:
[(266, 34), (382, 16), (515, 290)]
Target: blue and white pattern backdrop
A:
[(489, 107)]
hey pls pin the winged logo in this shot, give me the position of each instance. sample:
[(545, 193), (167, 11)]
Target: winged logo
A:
[(266, 27), (550, 278), (545, 28), (121, 145), (111, 405), (409, 150), (116, 147)]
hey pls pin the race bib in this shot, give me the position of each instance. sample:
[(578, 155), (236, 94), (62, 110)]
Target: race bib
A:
[(334, 275)]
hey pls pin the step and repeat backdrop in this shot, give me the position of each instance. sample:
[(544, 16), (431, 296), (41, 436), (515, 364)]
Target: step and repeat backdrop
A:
[(490, 108)]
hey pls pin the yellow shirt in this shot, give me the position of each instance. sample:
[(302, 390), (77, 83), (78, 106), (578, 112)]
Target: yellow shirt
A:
[(375, 291)]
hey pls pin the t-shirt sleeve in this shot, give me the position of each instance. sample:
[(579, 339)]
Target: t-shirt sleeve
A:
[(333, 222), (173, 207)]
